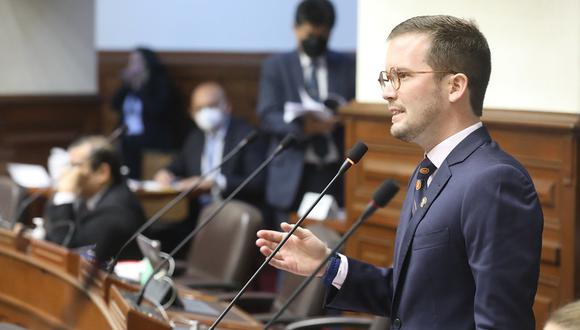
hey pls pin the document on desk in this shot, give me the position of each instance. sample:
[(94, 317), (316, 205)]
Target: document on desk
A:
[(29, 175)]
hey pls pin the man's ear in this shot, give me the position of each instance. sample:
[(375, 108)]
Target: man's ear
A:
[(458, 87), (103, 172)]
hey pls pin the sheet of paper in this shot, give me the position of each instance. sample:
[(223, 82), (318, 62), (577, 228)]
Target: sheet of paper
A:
[(293, 110), (29, 175)]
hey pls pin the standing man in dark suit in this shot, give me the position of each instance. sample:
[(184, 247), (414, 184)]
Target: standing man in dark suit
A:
[(92, 203), (467, 252), (293, 90), (216, 133)]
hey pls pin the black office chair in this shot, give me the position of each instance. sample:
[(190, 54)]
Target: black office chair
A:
[(10, 196), (223, 255), (339, 322)]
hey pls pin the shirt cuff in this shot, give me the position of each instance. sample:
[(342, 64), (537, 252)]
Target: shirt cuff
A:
[(342, 272), (63, 197), (336, 271)]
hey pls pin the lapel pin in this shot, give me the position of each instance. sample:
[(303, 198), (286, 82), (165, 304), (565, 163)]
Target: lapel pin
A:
[(423, 201)]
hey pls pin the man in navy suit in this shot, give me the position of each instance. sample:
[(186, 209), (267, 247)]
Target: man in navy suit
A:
[(467, 252), (294, 89)]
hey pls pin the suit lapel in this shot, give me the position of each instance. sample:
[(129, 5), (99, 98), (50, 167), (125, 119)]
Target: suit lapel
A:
[(197, 152), (229, 144), (296, 74), (333, 73), (442, 175)]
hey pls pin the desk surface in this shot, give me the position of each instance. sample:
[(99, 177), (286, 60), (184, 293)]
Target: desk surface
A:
[(42, 286)]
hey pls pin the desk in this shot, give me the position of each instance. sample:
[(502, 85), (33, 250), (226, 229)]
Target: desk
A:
[(41, 287)]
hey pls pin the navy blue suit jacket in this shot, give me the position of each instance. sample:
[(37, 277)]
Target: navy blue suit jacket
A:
[(188, 162), (282, 77), (469, 259)]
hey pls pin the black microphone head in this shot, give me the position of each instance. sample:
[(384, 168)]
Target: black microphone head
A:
[(357, 152), (287, 141), (331, 104), (387, 190)]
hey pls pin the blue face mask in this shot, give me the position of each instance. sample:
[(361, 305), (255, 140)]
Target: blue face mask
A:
[(210, 119)]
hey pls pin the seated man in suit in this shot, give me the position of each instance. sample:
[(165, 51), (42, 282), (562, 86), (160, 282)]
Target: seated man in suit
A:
[(92, 203), (216, 133)]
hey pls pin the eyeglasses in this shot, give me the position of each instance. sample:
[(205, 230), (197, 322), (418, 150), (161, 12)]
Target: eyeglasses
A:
[(394, 76)]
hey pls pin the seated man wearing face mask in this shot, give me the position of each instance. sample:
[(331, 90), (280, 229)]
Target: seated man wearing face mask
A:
[(216, 134)]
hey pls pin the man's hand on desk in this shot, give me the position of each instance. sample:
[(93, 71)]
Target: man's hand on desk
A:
[(204, 187), (164, 177)]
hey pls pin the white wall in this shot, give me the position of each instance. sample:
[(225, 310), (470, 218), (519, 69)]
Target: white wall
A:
[(47, 47), (210, 25), (535, 47)]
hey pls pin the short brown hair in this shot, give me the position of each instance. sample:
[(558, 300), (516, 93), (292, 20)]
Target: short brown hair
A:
[(457, 45)]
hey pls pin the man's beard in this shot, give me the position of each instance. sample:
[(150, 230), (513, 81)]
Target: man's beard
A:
[(409, 131)]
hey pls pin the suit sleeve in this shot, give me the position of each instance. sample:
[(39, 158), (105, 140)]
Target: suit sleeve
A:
[(502, 225), (271, 100), (113, 226), (367, 289)]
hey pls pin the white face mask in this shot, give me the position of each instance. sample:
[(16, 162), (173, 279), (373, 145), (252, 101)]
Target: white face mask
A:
[(209, 118)]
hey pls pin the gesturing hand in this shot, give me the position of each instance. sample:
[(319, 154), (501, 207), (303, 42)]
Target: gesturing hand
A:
[(301, 254)]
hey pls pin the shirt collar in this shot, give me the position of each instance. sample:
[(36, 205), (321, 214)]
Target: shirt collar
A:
[(306, 61), (94, 200), (438, 154), (220, 132)]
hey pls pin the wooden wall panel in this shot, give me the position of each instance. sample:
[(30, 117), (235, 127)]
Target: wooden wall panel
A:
[(31, 125), (239, 73), (545, 143)]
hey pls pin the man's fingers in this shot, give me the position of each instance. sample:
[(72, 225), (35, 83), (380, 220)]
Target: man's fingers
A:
[(262, 242), (266, 251), (300, 232), (270, 235)]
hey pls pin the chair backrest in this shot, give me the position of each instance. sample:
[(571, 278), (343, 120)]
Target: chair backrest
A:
[(310, 301), (380, 323), (10, 196), (225, 250)]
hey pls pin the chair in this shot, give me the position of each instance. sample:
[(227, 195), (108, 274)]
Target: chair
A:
[(339, 322), (10, 196), (310, 301), (223, 255)]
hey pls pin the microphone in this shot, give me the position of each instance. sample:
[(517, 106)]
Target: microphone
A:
[(285, 143), (353, 156), (116, 134), (333, 102), (243, 143), (386, 191)]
